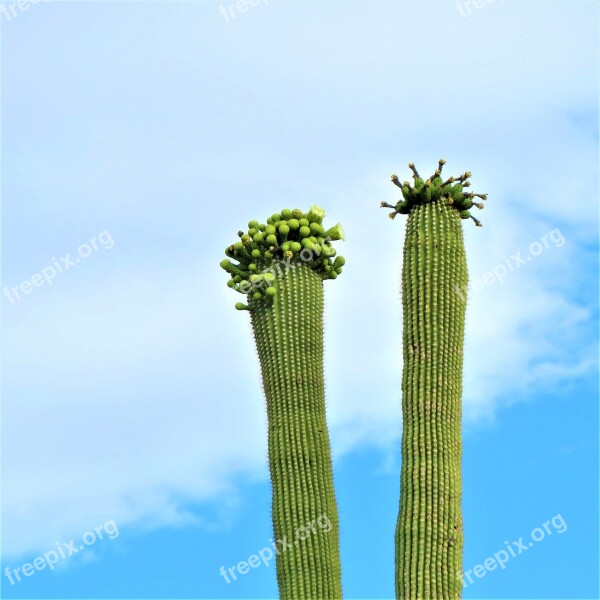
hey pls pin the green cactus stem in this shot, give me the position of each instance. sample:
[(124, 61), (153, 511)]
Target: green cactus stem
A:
[(285, 300), (429, 531)]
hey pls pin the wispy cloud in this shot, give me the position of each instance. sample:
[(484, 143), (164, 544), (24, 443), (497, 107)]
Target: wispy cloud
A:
[(132, 388)]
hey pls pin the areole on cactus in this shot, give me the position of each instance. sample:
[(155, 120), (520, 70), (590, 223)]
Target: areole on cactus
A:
[(281, 268), (429, 534)]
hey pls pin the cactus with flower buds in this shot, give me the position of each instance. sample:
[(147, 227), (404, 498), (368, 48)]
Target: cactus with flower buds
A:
[(429, 533), (281, 266)]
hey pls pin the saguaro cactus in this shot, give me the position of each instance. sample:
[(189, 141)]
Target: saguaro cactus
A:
[(429, 534), (281, 268)]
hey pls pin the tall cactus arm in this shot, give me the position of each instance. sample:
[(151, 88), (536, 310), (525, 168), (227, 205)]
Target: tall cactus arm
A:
[(283, 264), (429, 533)]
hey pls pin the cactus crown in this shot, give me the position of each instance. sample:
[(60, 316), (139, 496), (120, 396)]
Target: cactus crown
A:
[(434, 189), (287, 238)]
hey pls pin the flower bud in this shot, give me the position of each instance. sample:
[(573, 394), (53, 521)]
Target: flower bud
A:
[(316, 228), (336, 233), (339, 261), (315, 214), (228, 266)]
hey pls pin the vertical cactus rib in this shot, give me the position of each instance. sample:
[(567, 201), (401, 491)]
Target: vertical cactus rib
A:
[(429, 538), (286, 277), (301, 469)]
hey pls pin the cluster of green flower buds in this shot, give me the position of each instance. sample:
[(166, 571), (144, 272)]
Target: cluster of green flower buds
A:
[(433, 189), (267, 249)]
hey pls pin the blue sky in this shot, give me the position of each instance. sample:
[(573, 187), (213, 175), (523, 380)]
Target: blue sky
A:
[(138, 137)]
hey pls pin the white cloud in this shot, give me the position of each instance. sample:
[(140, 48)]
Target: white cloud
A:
[(133, 390)]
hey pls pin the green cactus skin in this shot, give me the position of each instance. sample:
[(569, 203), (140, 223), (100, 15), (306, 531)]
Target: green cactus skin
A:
[(287, 321), (289, 339), (429, 531)]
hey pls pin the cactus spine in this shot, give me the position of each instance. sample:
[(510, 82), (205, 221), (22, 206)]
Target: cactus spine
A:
[(429, 533), (287, 320)]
